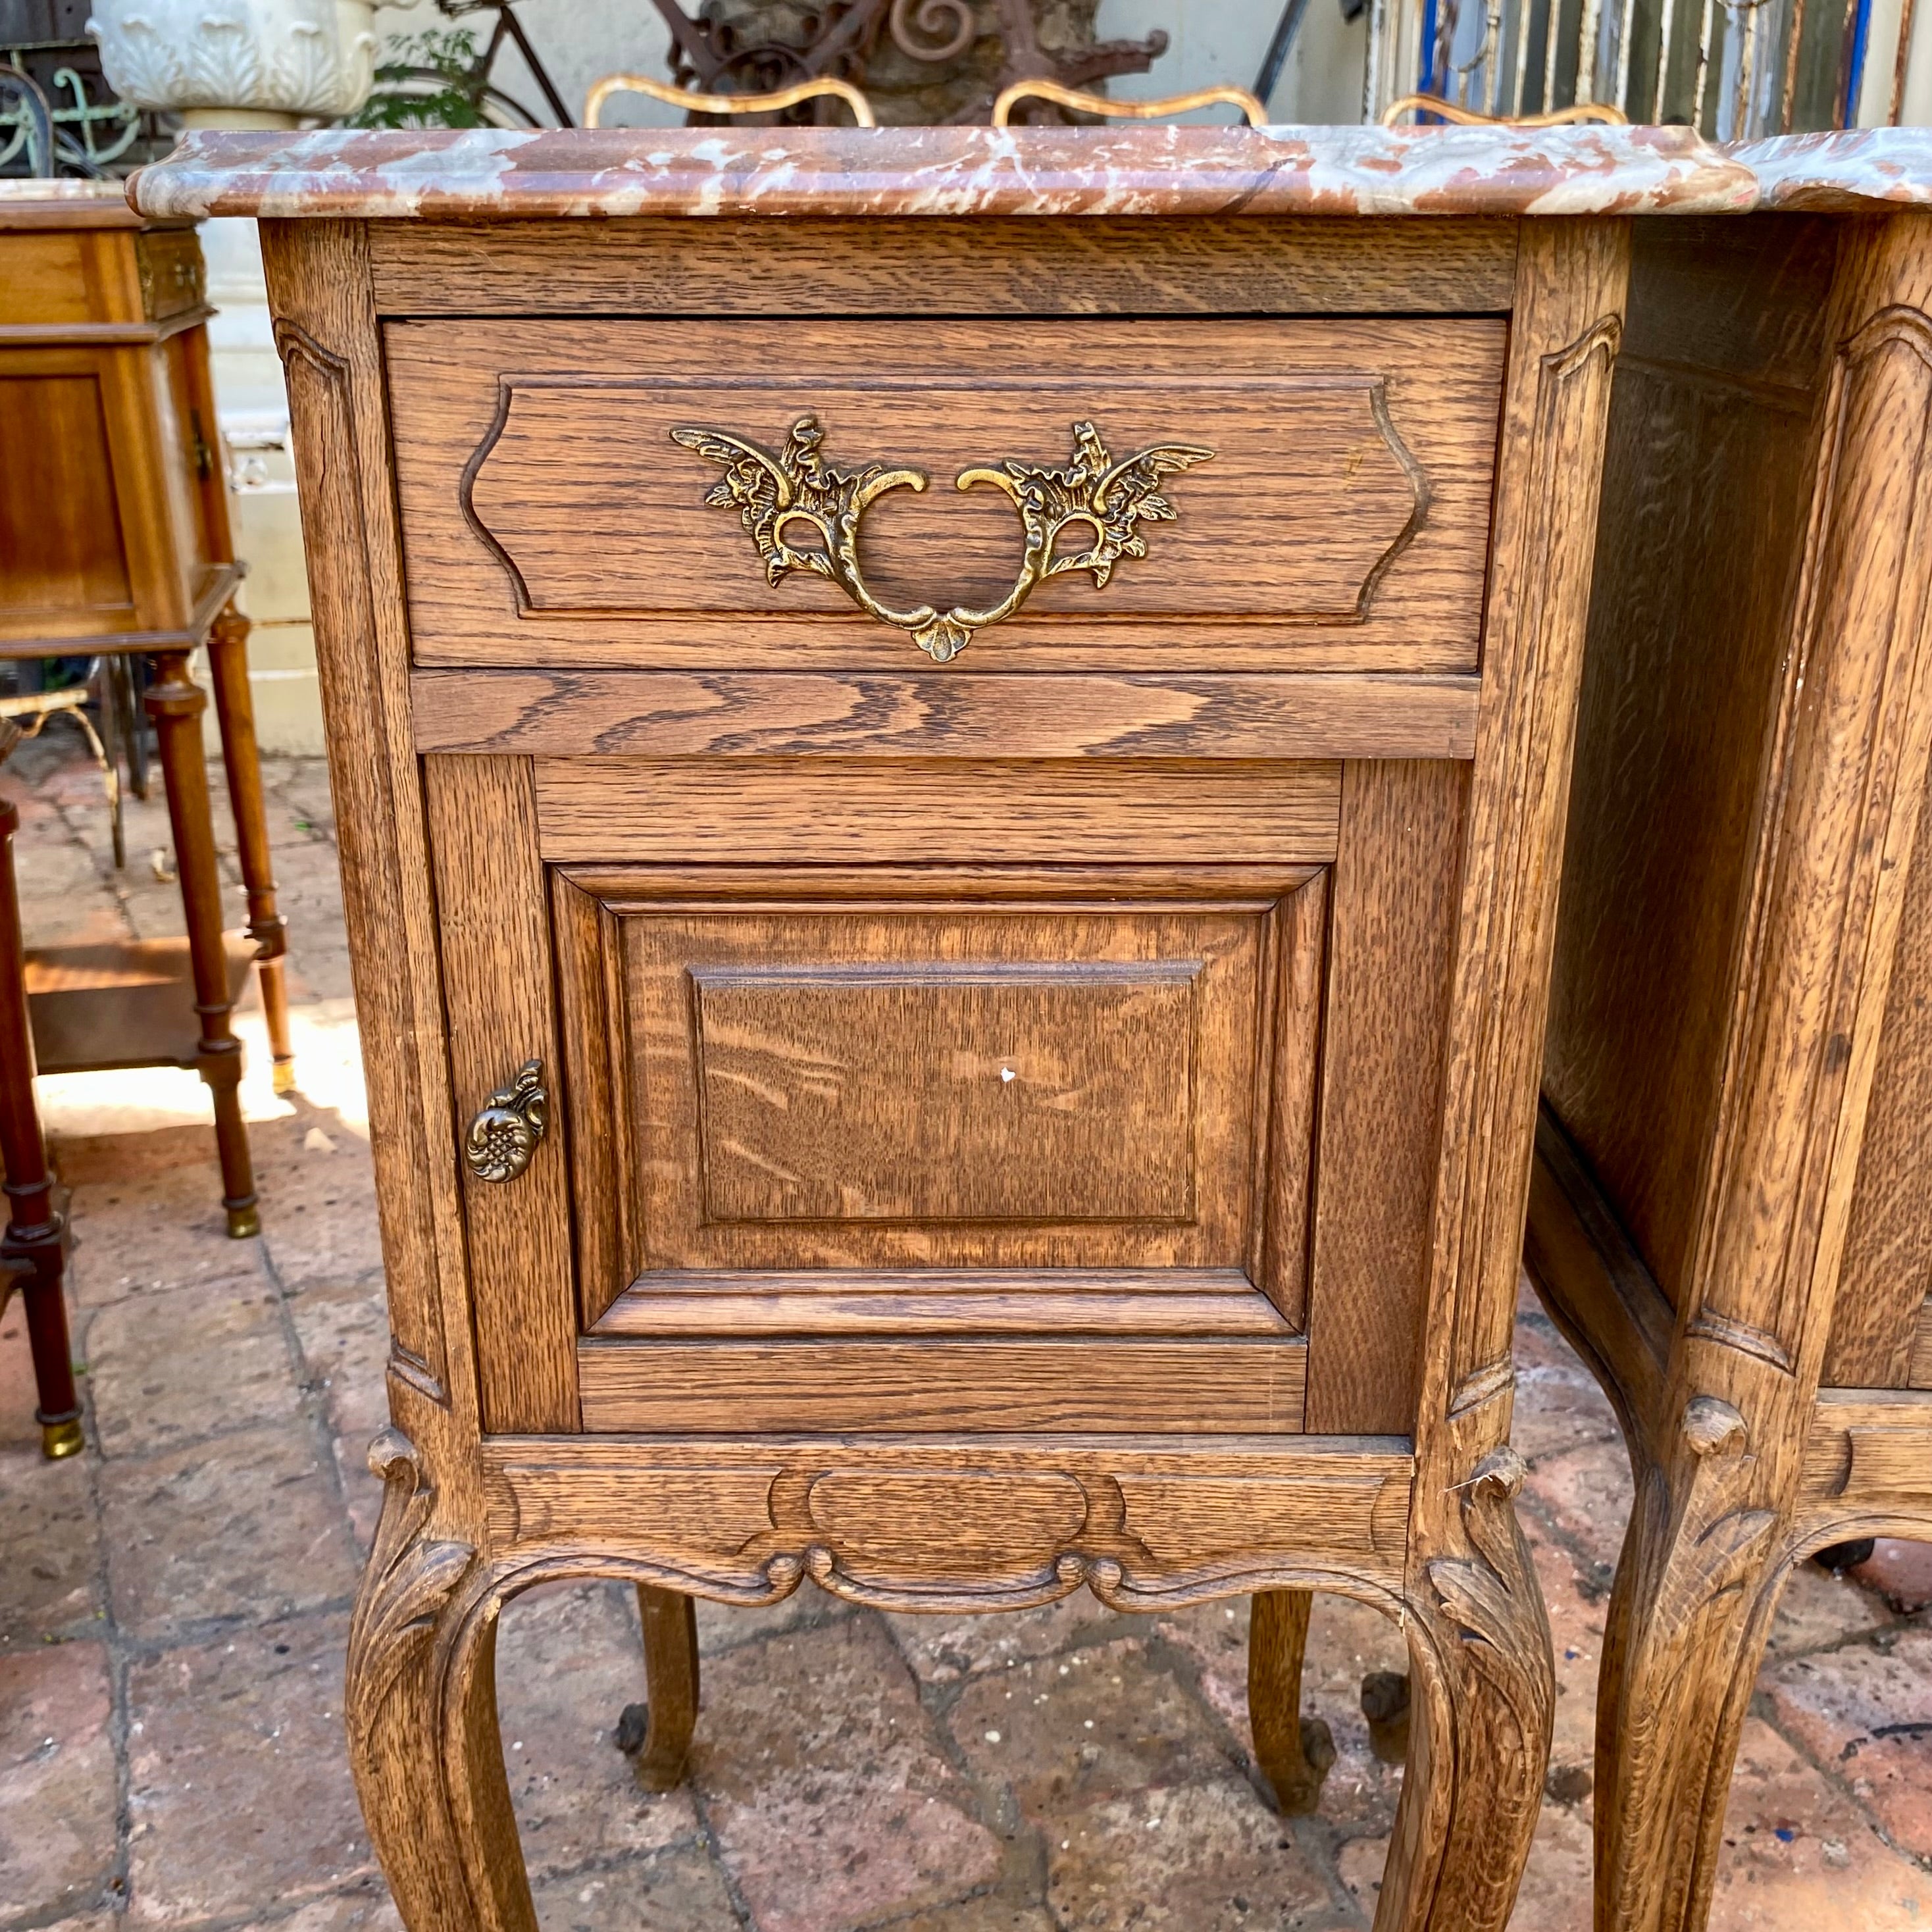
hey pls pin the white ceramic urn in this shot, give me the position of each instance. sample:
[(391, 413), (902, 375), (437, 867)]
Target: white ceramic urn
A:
[(239, 63)]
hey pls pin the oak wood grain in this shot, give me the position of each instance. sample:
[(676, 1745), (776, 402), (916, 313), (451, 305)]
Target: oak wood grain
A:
[(409, 1768), (857, 812), (1168, 801), (1919, 1371), (669, 1623), (855, 1384), (945, 1083), (1592, 1279), (1293, 1753), (1341, 524), (1393, 913), (1465, 1541), (1887, 1274), (932, 1090), (973, 1520), (1870, 1448), (590, 1025), (926, 267), (1202, 880), (491, 909), (960, 1301), (1288, 1076), (1698, 558), (319, 281), (954, 713), (1808, 828)]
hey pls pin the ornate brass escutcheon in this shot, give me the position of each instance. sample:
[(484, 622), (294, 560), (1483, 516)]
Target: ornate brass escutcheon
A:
[(772, 491), (506, 1132)]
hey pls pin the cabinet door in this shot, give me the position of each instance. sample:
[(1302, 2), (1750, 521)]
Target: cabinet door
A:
[(948, 1149), (858, 1121)]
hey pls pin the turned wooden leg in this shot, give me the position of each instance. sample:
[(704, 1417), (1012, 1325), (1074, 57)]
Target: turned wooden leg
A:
[(1688, 1619), (235, 713), (659, 1731), (1294, 1752), (1483, 1691), (176, 704), (32, 1253), (420, 1700)]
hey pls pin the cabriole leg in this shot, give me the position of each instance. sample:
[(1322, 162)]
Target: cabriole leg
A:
[(659, 1731), (1680, 1655), (1294, 1752), (421, 1706), (1482, 1690)]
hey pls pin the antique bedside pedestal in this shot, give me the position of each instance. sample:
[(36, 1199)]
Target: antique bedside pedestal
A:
[(114, 540), (962, 1043), (1731, 1213)]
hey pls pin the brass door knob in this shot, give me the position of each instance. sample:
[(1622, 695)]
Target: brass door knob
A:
[(505, 1131)]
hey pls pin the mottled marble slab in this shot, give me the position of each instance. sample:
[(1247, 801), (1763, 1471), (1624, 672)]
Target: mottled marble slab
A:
[(480, 173), (1862, 170)]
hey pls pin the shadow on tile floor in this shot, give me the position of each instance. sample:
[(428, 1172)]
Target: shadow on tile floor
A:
[(174, 1606)]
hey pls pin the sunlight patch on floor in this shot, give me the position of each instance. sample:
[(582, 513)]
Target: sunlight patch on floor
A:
[(328, 1075)]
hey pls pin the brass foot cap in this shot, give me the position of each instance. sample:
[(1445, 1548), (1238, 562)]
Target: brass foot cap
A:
[(59, 1440), (285, 1076), (243, 1223)]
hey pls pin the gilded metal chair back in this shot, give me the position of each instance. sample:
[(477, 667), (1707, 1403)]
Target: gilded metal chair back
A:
[(781, 97)]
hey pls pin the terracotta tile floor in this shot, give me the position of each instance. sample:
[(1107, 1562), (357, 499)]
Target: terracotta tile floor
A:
[(173, 1607)]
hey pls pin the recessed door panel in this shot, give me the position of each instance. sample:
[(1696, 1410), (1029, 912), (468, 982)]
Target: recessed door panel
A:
[(932, 1090), (971, 1088)]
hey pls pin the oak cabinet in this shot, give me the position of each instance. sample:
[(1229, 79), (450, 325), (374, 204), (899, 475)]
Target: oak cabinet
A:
[(1730, 1212), (961, 1043)]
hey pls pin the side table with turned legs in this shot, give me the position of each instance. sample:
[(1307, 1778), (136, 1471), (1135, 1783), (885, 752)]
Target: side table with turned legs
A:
[(115, 539)]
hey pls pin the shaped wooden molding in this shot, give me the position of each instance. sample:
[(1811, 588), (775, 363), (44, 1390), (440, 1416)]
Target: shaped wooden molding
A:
[(1313, 496)]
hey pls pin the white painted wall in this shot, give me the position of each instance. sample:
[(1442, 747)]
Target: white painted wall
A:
[(254, 409)]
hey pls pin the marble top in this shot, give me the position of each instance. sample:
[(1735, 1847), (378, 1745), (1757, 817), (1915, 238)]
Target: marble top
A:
[(473, 174), (28, 201)]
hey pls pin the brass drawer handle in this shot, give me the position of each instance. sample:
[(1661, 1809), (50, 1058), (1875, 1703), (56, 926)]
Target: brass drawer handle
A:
[(771, 492), (505, 1133)]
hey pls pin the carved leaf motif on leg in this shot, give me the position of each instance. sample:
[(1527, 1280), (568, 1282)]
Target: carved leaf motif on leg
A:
[(408, 1583), (1696, 1546), (1487, 1596), (1490, 1597)]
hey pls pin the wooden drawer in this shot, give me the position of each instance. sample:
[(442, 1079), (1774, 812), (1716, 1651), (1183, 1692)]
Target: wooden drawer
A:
[(1339, 522)]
